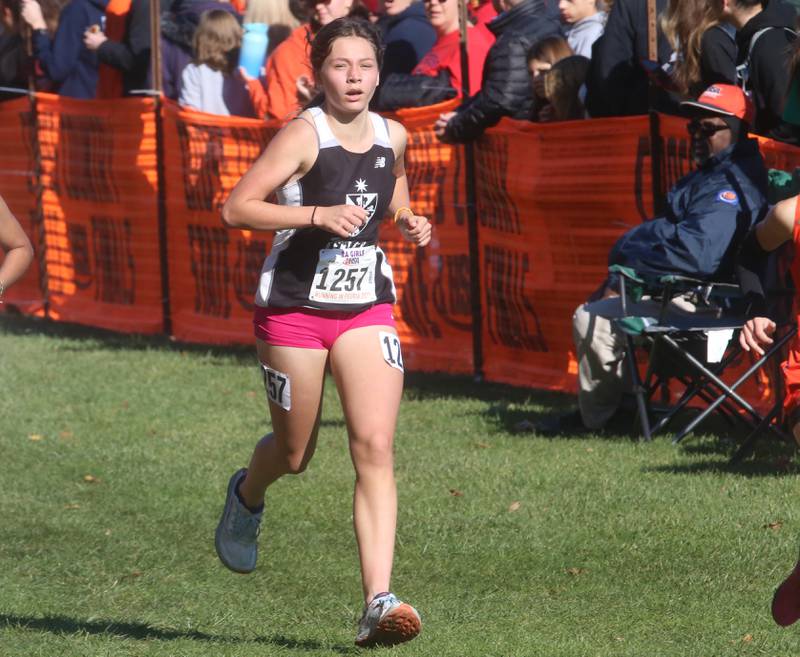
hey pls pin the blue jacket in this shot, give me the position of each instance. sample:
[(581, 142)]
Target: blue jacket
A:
[(408, 37), (64, 59), (709, 213), (506, 84)]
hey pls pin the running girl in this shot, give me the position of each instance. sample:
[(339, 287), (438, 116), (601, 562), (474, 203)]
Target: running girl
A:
[(325, 298)]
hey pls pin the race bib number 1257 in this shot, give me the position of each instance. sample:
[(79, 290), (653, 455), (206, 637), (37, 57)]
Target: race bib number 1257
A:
[(345, 276)]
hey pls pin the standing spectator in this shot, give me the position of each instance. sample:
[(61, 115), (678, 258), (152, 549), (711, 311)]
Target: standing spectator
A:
[(438, 76), (210, 84), (705, 49), (764, 38), (14, 64), (64, 59), (789, 129), (616, 84), (123, 49), (483, 12), (505, 89), (277, 15), (289, 76), (407, 35), (177, 31), (586, 24)]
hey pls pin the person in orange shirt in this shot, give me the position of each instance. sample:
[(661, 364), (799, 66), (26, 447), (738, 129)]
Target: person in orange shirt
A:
[(289, 79)]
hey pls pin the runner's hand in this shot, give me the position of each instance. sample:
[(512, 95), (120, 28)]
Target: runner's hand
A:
[(340, 220), (415, 229), (755, 333)]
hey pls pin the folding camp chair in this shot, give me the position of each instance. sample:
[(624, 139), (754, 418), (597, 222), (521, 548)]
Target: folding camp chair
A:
[(679, 346)]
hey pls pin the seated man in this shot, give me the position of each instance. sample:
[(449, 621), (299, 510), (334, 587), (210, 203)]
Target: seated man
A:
[(709, 212)]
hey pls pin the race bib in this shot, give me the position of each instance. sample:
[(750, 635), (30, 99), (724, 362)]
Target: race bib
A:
[(345, 275)]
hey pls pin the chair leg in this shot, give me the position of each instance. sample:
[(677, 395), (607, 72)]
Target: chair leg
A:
[(749, 443), (638, 388), (728, 391)]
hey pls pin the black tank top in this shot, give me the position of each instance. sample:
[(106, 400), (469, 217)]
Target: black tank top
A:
[(312, 268)]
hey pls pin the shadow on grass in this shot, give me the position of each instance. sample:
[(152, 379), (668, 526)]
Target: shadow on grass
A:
[(91, 338), (144, 632), (749, 469), (419, 386), (712, 451)]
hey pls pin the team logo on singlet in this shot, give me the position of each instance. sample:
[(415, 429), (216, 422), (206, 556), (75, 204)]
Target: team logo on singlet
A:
[(363, 199)]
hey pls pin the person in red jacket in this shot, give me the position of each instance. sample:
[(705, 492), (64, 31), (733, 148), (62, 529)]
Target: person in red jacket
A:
[(438, 75)]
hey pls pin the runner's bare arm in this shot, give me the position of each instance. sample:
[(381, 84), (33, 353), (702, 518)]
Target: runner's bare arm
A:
[(778, 226), (288, 156), (414, 228), (15, 244)]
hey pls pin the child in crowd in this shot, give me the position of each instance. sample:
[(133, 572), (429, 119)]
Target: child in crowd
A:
[(562, 90), (541, 58), (210, 83), (585, 23)]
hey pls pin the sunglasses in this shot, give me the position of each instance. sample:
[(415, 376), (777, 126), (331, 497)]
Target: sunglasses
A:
[(704, 129)]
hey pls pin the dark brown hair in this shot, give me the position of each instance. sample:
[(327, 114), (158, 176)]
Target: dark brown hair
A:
[(550, 50), (343, 27)]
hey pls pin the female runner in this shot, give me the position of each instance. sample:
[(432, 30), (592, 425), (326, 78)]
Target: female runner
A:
[(325, 298)]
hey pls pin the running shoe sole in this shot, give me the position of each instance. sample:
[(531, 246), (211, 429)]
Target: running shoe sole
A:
[(399, 625)]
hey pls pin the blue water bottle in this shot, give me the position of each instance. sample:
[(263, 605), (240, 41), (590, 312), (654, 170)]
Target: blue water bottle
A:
[(254, 48)]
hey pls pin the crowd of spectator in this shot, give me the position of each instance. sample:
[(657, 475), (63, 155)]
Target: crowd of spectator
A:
[(538, 60)]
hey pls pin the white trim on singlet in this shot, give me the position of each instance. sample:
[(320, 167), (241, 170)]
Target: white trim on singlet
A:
[(386, 270), (267, 277), (324, 132), (380, 129), (290, 195)]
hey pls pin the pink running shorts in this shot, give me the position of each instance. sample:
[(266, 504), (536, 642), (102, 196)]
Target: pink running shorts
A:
[(309, 328)]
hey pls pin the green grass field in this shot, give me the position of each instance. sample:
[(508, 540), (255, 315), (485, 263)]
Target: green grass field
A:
[(115, 456)]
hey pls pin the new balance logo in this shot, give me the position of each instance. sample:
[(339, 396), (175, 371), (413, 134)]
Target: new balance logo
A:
[(380, 162)]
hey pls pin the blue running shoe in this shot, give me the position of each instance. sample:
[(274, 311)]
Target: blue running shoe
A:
[(237, 533), (387, 621)]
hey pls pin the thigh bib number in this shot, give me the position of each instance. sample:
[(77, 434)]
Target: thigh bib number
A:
[(345, 276)]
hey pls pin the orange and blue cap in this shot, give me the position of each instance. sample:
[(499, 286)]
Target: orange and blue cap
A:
[(725, 100)]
